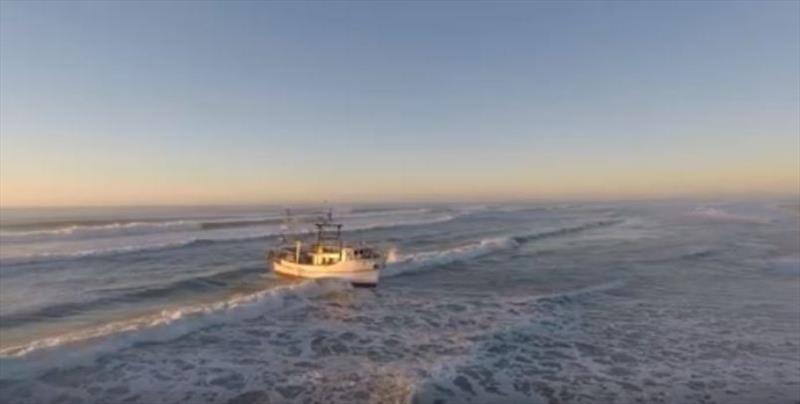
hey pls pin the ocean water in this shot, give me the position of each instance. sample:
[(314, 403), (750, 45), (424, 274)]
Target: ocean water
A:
[(666, 302)]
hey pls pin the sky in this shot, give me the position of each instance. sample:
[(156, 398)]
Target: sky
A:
[(140, 103)]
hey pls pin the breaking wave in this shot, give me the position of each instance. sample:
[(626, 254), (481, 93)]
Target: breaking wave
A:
[(720, 215), (125, 295), (171, 323), (403, 264)]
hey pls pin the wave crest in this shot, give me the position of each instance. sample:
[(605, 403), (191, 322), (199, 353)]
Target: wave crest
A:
[(402, 264), (172, 323), (204, 241), (720, 215), (103, 230)]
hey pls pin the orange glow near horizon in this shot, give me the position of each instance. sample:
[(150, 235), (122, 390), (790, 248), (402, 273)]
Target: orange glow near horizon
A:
[(99, 188)]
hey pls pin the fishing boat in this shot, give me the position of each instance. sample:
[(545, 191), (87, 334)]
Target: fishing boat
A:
[(328, 256)]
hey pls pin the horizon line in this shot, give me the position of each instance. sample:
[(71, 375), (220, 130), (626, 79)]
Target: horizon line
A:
[(432, 201)]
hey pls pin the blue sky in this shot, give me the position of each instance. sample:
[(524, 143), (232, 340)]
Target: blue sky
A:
[(227, 102)]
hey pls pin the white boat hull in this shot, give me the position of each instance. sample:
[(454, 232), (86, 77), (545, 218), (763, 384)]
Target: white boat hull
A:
[(359, 273)]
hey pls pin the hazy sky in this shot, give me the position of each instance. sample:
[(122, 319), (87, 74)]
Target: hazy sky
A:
[(248, 102)]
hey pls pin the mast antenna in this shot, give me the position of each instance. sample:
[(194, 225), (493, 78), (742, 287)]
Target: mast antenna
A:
[(288, 229)]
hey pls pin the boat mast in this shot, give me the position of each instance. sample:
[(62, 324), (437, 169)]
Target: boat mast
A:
[(288, 232), (329, 234)]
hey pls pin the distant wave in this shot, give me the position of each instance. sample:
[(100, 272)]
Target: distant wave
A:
[(569, 294), (794, 209), (529, 208), (305, 219), (200, 241), (95, 229), (725, 216), (399, 264), (47, 256), (172, 323), (101, 230), (787, 265), (693, 254), (567, 230)]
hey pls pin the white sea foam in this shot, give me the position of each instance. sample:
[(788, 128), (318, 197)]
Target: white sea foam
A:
[(408, 263), (399, 263), (444, 372), (721, 215), (167, 324)]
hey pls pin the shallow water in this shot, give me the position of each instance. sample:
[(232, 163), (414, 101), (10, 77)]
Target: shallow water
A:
[(625, 302)]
